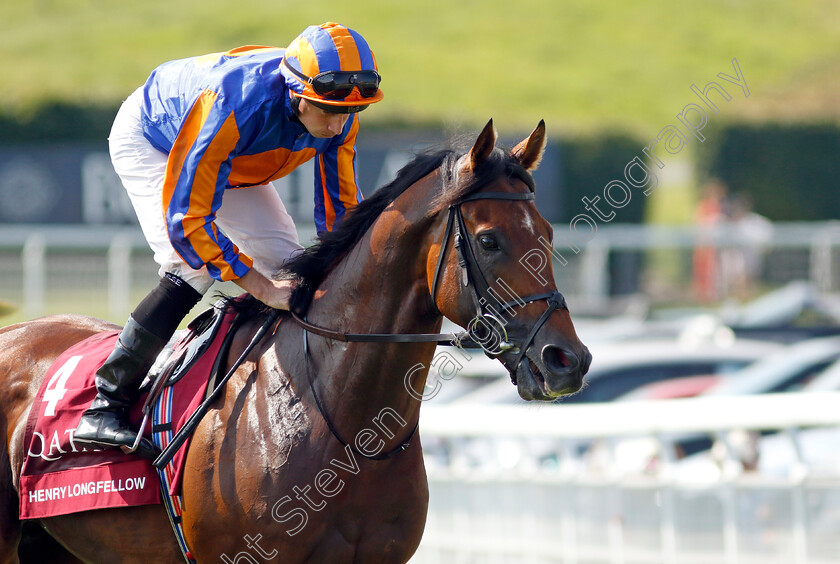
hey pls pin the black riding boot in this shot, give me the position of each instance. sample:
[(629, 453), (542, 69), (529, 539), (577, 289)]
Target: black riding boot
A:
[(104, 424)]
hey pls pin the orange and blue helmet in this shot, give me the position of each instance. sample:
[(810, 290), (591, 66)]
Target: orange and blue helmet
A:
[(332, 65)]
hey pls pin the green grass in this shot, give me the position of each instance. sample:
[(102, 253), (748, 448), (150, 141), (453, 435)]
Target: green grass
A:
[(93, 302), (581, 65)]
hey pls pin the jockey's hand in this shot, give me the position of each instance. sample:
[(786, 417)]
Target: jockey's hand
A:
[(273, 293)]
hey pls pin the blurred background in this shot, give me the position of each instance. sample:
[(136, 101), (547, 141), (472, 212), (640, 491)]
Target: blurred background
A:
[(707, 287)]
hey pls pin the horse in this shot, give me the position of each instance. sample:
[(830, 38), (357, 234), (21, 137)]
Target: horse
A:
[(309, 455)]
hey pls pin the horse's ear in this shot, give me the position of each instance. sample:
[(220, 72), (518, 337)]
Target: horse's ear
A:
[(530, 151), (483, 147)]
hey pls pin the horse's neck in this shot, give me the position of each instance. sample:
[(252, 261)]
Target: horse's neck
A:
[(379, 287)]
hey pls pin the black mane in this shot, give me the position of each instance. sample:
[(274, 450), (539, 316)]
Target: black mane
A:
[(312, 265)]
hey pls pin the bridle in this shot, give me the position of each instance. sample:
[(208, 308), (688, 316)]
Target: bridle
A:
[(481, 296), (472, 277), (482, 300)]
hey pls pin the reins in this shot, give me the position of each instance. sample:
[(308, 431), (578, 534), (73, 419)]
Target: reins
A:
[(404, 445), (473, 278), (439, 338), (184, 433)]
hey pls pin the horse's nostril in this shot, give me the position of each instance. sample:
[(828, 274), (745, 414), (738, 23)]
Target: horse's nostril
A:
[(587, 360), (556, 360)]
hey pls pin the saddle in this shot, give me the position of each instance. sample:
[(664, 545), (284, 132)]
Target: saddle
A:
[(186, 347), (56, 473)]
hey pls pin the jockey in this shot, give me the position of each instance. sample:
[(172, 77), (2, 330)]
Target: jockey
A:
[(197, 147)]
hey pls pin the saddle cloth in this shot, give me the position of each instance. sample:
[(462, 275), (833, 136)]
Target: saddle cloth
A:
[(58, 477)]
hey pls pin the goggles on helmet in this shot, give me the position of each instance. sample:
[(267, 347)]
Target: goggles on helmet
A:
[(337, 85)]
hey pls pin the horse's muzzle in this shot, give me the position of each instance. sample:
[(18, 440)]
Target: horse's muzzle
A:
[(558, 362), (554, 373), (563, 370)]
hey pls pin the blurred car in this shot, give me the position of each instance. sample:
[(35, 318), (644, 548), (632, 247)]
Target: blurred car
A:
[(792, 313), (788, 369), (778, 454), (800, 366), (826, 381), (686, 387), (812, 365), (618, 368)]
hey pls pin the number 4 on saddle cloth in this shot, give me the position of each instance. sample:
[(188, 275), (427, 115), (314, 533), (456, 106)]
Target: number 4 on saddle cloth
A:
[(58, 477)]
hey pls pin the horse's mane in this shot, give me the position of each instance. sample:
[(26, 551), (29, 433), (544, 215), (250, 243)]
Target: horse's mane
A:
[(312, 265)]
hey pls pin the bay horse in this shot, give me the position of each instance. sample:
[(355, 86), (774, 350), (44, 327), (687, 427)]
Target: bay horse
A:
[(309, 455)]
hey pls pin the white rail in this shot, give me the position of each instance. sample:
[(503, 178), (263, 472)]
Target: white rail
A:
[(622, 419), (574, 512), (586, 277)]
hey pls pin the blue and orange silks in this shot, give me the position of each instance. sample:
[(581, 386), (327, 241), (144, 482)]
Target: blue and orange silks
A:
[(226, 122)]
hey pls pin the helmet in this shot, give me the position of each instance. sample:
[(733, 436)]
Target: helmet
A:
[(332, 65)]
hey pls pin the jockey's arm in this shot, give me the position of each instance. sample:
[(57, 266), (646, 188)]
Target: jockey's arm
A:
[(336, 186), (194, 185), (273, 293)]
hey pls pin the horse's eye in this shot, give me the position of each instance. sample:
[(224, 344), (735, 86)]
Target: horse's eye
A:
[(488, 242)]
